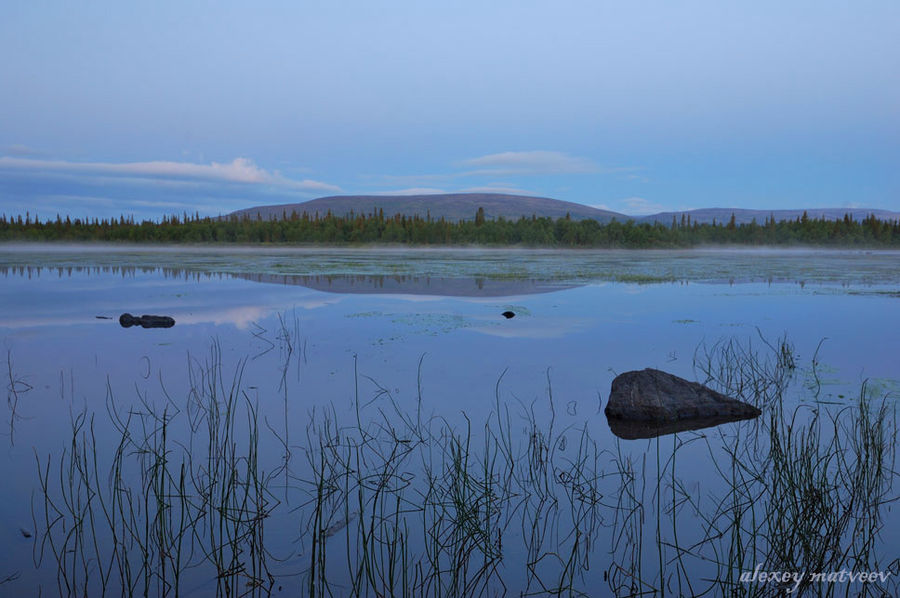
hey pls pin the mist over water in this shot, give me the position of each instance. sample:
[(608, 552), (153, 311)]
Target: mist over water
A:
[(802, 266)]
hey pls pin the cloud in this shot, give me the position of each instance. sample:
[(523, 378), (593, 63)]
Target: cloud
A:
[(181, 205), (547, 328), (499, 166), (532, 162), (18, 149), (90, 200), (498, 189), (306, 185), (239, 171), (84, 205), (638, 206), (414, 180)]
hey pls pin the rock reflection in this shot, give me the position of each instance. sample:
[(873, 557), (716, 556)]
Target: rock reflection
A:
[(636, 430)]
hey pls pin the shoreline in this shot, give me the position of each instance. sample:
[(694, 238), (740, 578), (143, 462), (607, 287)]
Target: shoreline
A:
[(154, 247)]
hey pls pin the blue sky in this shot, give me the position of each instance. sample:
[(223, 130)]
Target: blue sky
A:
[(109, 107)]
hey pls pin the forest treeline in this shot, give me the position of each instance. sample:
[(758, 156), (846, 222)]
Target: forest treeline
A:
[(533, 232)]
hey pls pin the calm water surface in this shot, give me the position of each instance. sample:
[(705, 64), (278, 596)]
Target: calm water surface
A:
[(392, 415)]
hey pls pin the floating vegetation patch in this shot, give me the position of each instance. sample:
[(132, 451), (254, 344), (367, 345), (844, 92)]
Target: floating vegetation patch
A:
[(877, 293), (825, 268), (637, 278), (366, 314), (887, 387)]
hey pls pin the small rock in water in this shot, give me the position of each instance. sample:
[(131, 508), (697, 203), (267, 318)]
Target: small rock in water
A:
[(508, 314), (25, 533), (127, 320)]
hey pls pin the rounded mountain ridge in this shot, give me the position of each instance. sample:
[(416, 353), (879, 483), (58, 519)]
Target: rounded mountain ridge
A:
[(450, 206)]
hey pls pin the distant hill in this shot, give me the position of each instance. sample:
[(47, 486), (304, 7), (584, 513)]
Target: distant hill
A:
[(463, 206), (450, 206), (741, 216)]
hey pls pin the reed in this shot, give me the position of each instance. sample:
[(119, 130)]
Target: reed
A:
[(16, 387), (134, 523), (195, 496), (803, 489)]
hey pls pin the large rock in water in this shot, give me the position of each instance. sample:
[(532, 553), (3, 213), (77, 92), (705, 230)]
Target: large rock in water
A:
[(657, 397)]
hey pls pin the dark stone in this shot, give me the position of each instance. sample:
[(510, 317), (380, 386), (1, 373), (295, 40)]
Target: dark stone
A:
[(508, 314), (659, 397), (127, 320)]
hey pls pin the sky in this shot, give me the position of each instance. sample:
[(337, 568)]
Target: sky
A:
[(114, 108)]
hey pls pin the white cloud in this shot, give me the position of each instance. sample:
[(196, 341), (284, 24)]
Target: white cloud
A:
[(526, 328), (21, 150), (632, 206), (310, 185), (90, 200), (638, 206), (163, 204), (50, 204), (531, 162), (500, 165), (498, 189), (239, 170), (414, 180)]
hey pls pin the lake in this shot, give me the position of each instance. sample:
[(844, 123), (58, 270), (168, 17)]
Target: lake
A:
[(366, 422)]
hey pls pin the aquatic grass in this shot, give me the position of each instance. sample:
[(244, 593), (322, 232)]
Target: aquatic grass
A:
[(15, 388), (162, 508), (737, 368), (437, 529), (393, 501), (806, 486), (814, 502), (805, 489), (625, 572)]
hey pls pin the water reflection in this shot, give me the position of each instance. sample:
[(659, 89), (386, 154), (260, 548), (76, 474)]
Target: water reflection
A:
[(386, 284), (413, 285), (830, 267), (634, 430)]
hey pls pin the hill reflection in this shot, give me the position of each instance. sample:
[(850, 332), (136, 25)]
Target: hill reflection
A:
[(396, 284), (412, 285)]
